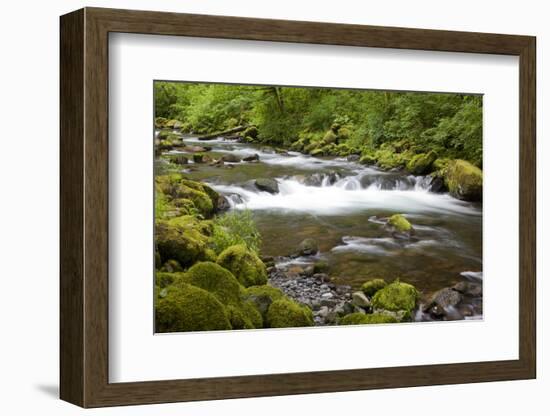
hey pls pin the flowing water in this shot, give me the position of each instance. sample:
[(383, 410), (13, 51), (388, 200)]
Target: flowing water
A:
[(341, 204)]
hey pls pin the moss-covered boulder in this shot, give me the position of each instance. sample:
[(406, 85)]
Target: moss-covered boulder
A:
[(172, 266), (400, 223), (185, 307), (421, 164), (163, 279), (285, 313), (370, 287), (358, 318), (244, 316), (367, 159), (330, 137), (160, 122), (464, 180), (182, 239), (396, 296), (214, 279), (245, 265), (317, 152), (175, 188), (251, 132), (262, 297)]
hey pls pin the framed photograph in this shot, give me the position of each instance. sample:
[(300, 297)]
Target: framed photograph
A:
[(255, 207)]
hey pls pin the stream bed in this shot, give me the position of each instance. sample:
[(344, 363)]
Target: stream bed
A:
[(342, 205)]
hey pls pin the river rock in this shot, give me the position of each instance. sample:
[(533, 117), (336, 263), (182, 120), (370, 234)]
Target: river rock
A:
[(267, 185), (464, 180), (359, 299), (308, 247), (222, 203), (443, 302), (437, 185), (254, 158), (321, 277), (194, 149), (353, 158), (201, 158), (469, 289), (231, 158), (179, 159)]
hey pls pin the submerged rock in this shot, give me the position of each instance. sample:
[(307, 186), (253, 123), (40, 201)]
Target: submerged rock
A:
[(231, 158), (267, 185), (308, 247), (254, 158)]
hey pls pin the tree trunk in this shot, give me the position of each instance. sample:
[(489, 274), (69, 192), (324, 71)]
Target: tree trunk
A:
[(223, 133)]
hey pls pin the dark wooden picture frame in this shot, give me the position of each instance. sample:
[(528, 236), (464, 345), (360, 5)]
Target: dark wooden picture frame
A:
[(84, 207)]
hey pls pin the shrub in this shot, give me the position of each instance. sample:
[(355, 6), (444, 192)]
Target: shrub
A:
[(236, 227)]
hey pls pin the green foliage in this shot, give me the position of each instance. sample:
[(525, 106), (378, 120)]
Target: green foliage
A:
[(285, 313), (396, 296), (359, 318), (245, 265), (449, 124), (370, 287), (235, 227), (188, 308)]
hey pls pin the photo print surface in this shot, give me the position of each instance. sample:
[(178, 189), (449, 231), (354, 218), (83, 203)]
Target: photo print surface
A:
[(285, 207)]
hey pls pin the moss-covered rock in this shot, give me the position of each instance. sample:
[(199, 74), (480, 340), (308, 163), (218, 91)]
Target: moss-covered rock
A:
[(330, 137), (370, 287), (368, 159), (175, 187), (285, 313), (320, 267), (160, 122), (464, 180), (214, 279), (399, 223), (245, 265), (344, 133), (358, 318), (163, 279), (261, 297), (181, 239), (421, 164), (396, 296), (172, 266), (308, 247), (188, 308), (251, 132), (317, 152)]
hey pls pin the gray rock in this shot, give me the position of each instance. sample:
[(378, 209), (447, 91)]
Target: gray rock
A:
[(267, 185), (469, 289), (360, 299), (254, 158), (231, 158), (353, 158), (327, 295)]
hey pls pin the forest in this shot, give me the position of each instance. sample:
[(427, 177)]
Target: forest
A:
[(280, 207)]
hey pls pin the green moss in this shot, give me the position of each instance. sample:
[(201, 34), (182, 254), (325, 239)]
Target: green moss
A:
[(214, 279), (317, 152), (189, 308), (388, 159), (421, 164), (400, 223), (396, 296), (163, 279), (251, 132), (261, 297), (175, 187), (370, 287), (464, 180), (160, 122), (181, 239), (285, 313), (244, 264), (364, 319), (344, 133), (320, 267), (330, 137), (249, 308), (441, 163), (172, 266), (367, 159)]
